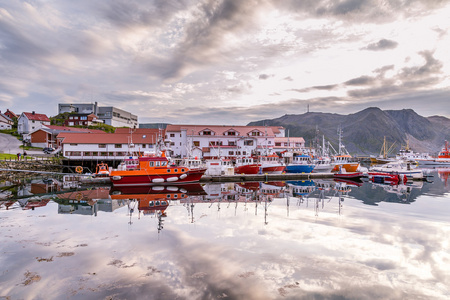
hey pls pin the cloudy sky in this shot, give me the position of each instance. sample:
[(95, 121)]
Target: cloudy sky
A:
[(225, 61)]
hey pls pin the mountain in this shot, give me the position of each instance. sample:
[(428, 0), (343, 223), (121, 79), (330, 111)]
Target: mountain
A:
[(364, 131)]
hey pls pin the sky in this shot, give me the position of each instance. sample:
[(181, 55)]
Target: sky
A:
[(225, 62)]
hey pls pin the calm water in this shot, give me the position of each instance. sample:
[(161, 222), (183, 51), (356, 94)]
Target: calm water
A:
[(290, 240)]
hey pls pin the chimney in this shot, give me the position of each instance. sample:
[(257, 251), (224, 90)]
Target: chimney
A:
[(33, 113)]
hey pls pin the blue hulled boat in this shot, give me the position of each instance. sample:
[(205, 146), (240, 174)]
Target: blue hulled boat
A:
[(300, 164)]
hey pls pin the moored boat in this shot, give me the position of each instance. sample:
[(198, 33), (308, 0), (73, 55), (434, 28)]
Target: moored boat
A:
[(154, 170), (301, 163), (443, 157), (246, 165), (387, 178), (401, 168), (271, 164)]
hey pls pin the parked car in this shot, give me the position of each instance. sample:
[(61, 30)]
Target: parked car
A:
[(48, 150)]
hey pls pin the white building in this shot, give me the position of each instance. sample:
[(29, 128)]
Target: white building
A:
[(206, 141), (29, 122)]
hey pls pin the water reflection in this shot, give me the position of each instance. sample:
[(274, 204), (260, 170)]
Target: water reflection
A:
[(254, 240)]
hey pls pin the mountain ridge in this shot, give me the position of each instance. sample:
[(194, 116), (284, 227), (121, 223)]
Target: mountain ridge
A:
[(364, 131)]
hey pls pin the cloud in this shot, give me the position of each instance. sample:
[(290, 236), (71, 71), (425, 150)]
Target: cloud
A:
[(381, 45)]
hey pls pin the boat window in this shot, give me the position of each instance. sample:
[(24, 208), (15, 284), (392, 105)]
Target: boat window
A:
[(163, 163), (182, 170), (157, 203), (150, 203), (151, 164), (168, 196), (176, 170), (157, 163), (168, 170), (175, 196)]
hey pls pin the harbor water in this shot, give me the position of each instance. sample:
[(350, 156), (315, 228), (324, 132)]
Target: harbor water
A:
[(312, 239)]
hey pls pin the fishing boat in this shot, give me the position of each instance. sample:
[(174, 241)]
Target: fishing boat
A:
[(443, 157), (323, 164), (407, 154), (301, 163), (399, 167), (384, 152), (343, 159), (386, 178), (271, 164), (246, 165), (154, 170)]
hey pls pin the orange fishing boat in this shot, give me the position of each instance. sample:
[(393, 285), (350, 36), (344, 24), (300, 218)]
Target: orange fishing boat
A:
[(153, 170), (345, 162)]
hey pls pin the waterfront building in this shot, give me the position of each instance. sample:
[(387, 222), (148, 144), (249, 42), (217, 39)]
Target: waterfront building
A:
[(46, 136), (212, 141), (109, 115), (107, 146), (29, 122)]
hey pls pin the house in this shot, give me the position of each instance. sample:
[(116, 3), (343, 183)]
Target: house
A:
[(222, 141), (10, 114), (109, 115), (105, 146), (82, 120), (46, 135), (29, 122), (5, 121)]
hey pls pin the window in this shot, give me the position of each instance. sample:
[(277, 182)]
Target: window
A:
[(231, 133), (117, 145), (102, 145), (278, 144), (172, 135), (231, 143), (248, 143), (73, 144), (230, 152), (197, 143), (206, 132)]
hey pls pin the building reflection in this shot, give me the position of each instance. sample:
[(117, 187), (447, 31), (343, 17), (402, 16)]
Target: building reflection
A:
[(155, 201)]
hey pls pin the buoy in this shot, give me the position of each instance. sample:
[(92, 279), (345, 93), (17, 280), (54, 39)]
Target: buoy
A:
[(172, 188), (183, 176), (158, 188), (158, 180), (79, 169), (170, 179), (117, 177)]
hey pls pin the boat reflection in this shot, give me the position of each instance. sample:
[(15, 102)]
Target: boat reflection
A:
[(157, 200)]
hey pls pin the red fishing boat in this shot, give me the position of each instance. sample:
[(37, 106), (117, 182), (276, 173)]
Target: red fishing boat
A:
[(153, 170), (271, 164), (246, 165)]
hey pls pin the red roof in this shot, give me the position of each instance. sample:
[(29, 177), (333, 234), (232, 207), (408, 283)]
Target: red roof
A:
[(106, 138), (36, 117)]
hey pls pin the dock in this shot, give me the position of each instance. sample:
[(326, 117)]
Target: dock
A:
[(266, 177)]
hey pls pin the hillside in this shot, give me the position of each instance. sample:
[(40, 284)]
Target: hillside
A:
[(364, 131)]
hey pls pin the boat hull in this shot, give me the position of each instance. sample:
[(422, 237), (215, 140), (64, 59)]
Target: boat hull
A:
[(273, 170), (247, 169), (300, 168), (139, 179), (349, 167)]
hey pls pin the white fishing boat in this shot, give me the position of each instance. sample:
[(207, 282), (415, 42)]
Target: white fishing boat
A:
[(400, 167)]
